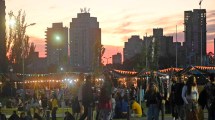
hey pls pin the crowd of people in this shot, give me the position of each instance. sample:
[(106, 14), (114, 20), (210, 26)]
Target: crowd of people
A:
[(188, 101), (102, 102), (108, 102)]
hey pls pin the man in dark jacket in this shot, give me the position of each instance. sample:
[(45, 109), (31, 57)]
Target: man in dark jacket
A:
[(87, 97), (210, 93), (173, 97), (179, 103)]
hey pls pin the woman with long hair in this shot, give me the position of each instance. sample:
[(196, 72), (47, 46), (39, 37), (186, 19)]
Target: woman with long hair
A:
[(153, 100), (105, 100), (190, 96)]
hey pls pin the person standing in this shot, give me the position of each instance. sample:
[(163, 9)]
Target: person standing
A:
[(190, 96), (113, 103), (87, 98), (80, 85), (207, 97), (173, 98), (105, 100), (179, 103), (44, 103), (54, 107), (153, 101)]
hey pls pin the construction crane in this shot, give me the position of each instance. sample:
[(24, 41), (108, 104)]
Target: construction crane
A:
[(200, 3)]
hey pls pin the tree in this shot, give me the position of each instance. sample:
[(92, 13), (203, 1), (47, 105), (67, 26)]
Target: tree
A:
[(31, 55), (153, 55), (210, 57), (31, 49), (18, 41), (99, 51)]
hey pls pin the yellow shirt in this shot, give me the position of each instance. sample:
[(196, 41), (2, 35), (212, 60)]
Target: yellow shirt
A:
[(54, 103), (137, 109)]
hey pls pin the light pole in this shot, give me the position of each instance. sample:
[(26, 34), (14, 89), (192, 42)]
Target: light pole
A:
[(107, 59), (176, 50), (23, 57)]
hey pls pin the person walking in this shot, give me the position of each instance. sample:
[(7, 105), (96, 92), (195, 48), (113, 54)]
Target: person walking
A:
[(77, 106), (190, 96), (44, 104)]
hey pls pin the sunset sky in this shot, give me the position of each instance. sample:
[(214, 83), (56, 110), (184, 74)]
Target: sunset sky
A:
[(118, 19)]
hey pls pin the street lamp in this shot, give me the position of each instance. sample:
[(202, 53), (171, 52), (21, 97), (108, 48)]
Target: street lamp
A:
[(107, 59), (23, 57), (58, 40)]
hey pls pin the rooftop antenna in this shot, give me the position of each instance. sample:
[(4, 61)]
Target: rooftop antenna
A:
[(82, 10), (85, 10), (200, 3)]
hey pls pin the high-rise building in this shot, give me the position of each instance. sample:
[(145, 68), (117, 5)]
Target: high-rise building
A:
[(132, 47), (3, 62), (164, 42), (117, 59), (195, 36), (57, 45), (157, 32), (85, 38), (165, 48)]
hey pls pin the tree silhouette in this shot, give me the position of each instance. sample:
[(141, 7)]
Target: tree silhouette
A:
[(210, 57), (18, 41), (153, 55), (99, 51)]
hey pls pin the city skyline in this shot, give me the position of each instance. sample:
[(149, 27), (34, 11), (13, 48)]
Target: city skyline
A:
[(118, 23)]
